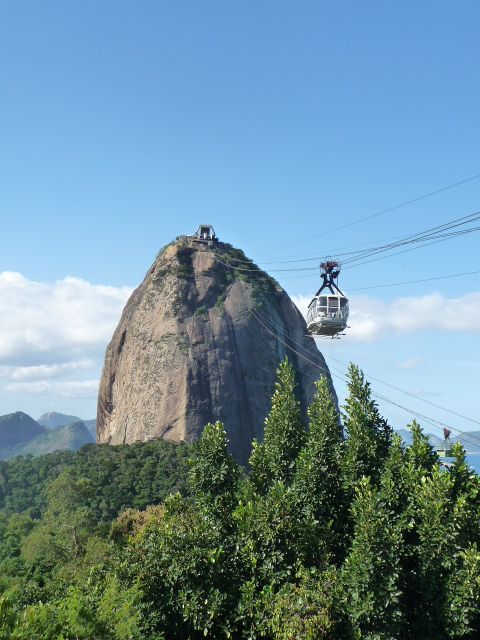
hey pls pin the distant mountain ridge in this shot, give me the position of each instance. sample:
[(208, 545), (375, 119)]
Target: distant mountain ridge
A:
[(469, 439), (18, 427), (69, 438), (20, 434), (406, 436), (54, 420)]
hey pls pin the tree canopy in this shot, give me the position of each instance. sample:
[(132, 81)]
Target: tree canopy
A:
[(337, 531)]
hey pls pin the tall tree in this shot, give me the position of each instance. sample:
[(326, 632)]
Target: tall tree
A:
[(420, 454), (369, 434), (62, 534), (466, 489), (395, 481), (462, 613), (214, 473), (437, 523), (317, 485), (371, 573), (274, 459)]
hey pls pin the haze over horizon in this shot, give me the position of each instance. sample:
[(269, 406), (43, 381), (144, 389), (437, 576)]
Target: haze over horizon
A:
[(124, 127)]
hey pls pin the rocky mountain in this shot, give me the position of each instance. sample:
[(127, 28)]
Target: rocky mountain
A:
[(22, 435), (17, 428), (200, 340), (53, 420), (69, 438)]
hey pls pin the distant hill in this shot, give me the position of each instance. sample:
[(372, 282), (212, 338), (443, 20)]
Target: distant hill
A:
[(53, 420), (406, 436), (124, 476), (470, 440), (69, 438), (91, 426), (435, 441), (17, 428)]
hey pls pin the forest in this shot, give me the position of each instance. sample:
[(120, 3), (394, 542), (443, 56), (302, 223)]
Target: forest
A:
[(337, 531)]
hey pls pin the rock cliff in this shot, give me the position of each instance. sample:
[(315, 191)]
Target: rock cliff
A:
[(200, 340)]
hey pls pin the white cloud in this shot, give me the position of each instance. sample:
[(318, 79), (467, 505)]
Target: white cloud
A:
[(52, 323), (43, 371), (53, 338), (69, 388), (409, 363), (371, 318)]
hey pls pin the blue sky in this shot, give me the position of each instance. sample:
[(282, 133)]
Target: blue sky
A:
[(126, 124)]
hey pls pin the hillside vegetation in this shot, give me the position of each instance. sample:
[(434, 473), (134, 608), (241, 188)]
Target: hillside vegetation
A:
[(122, 476), (338, 532), (22, 435)]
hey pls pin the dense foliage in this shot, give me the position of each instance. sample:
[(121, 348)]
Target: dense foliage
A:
[(123, 476), (339, 532)]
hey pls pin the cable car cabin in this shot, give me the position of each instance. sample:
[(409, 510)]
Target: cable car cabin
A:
[(205, 234), (445, 450), (327, 315)]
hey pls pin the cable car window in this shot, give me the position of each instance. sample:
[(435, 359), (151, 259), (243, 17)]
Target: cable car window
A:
[(322, 305), (343, 302)]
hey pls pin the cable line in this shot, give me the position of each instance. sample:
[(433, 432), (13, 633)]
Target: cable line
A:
[(427, 234), (397, 253), (439, 233), (432, 421), (397, 284), (378, 213), (419, 237), (412, 395)]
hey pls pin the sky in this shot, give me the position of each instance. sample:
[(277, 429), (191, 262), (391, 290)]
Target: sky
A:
[(125, 124)]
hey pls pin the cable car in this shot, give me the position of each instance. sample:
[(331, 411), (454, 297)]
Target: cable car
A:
[(327, 313), (445, 450)]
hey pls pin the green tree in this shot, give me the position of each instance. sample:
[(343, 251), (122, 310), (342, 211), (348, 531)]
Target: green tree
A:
[(462, 612), (214, 474), (432, 554), (317, 484), (420, 454), (310, 609), (371, 573), (185, 573), (269, 531), (466, 488), (369, 435), (274, 459), (395, 480), (62, 534)]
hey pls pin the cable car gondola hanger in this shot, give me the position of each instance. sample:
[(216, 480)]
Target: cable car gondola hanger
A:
[(327, 313)]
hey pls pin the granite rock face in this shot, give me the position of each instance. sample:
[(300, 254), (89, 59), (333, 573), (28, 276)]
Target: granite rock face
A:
[(200, 340)]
